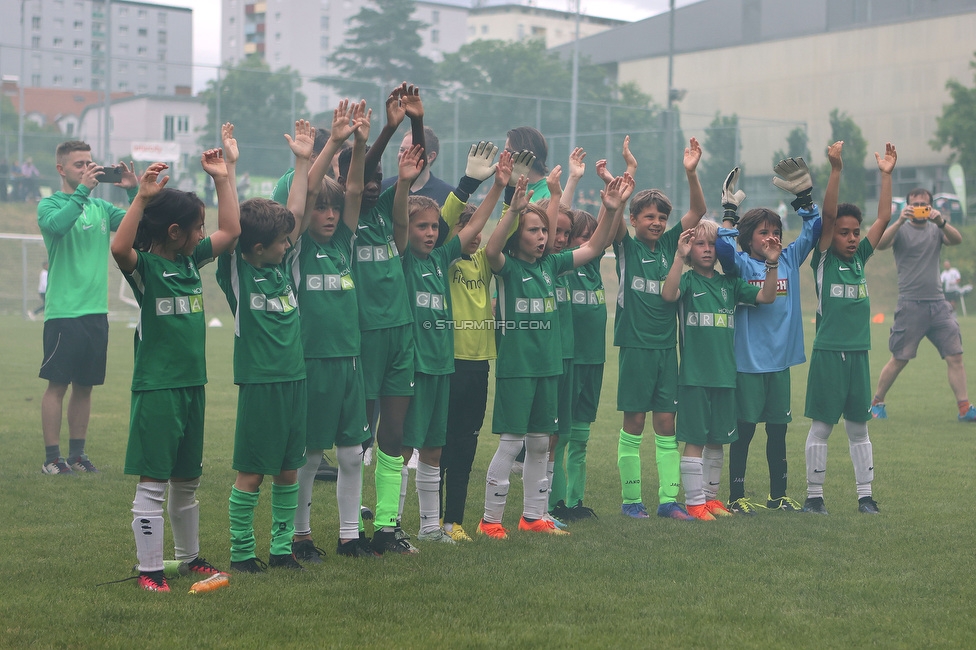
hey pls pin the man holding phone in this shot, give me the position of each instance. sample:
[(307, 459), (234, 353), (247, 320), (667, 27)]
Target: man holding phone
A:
[(76, 229), (917, 238)]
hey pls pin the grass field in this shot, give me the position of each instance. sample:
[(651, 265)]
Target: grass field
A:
[(901, 579)]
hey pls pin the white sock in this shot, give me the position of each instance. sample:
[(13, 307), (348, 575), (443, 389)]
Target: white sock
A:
[(816, 453), (862, 455), (147, 525), (550, 470), (692, 470), (349, 489), (184, 517), (712, 461), (496, 479), (428, 493), (534, 480), (404, 477), (306, 480)]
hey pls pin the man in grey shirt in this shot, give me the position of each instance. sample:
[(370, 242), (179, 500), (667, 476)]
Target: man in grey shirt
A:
[(917, 238)]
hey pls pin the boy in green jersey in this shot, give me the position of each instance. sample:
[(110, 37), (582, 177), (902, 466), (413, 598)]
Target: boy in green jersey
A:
[(269, 366), (839, 381), (706, 380)]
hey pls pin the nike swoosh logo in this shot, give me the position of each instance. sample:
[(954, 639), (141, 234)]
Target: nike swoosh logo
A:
[(581, 274), (526, 279), (819, 471), (411, 384), (363, 227), (643, 261), (699, 295), (319, 256), (260, 279), (731, 433), (424, 275), (843, 268), (169, 275), (675, 402), (789, 412), (88, 226)]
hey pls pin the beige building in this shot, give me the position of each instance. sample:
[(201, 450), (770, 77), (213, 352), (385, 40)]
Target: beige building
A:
[(514, 22)]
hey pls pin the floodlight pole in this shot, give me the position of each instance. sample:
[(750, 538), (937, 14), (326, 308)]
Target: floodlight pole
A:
[(574, 96), (669, 129)]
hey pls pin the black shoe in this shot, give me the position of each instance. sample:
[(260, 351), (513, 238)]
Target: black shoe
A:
[(867, 505), (286, 561), (200, 567), (365, 513), (582, 512), (250, 565), (306, 551), (386, 542), (815, 505), (561, 512), (356, 548)]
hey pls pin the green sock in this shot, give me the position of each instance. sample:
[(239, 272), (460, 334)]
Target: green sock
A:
[(629, 464), (242, 505), (576, 463), (284, 502), (388, 478), (557, 491), (668, 468)]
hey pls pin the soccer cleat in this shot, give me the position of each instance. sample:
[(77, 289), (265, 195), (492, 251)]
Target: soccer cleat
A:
[(386, 542), (82, 465), (561, 512), (437, 535), (867, 505), (815, 505), (200, 567), (365, 513), (284, 561), (355, 548), (717, 508), (306, 551), (555, 522), (540, 526), (970, 415), (152, 581), (673, 510), (700, 512), (579, 511), (878, 411), (56, 467), (458, 535), (402, 537), (250, 565), (495, 531), (782, 503), (742, 506), (634, 510)]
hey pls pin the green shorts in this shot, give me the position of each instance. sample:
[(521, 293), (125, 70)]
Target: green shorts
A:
[(425, 426), (387, 358), (270, 436), (839, 383), (336, 403), (166, 433), (647, 380), (707, 416), (763, 397), (525, 405), (564, 410), (586, 396)]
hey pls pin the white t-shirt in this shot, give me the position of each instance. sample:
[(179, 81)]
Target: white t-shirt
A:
[(950, 280)]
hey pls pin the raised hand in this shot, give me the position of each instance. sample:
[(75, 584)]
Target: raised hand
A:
[(214, 163), (627, 187), (231, 153), (411, 163), (576, 164), (772, 246), (342, 121), (732, 198), (149, 186), (394, 111), (521, 164), (410, 101), (834, 152), (552, 181), (693, 154), (503, 169), (301, 145), (603, 172), (361, 117), (479, 164), (887, 164), (629, 158), (685, 241), (793, 176), (520, 200), (129, 178)]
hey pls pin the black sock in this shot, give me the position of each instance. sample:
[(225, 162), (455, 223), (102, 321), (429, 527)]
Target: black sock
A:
[(776, 459), (738, 456), (76, 448), (51, 453)]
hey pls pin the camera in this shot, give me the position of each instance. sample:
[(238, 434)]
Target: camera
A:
[(111, 174), (921, 211)]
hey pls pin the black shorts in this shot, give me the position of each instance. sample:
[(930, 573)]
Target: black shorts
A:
[(75, 350), (469, 396)]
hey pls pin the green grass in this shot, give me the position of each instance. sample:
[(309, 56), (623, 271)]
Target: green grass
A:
[(902, 579)]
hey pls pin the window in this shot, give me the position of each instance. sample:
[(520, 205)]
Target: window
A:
[(78, 63), (57, 80), (142, 50), (162, 38), (58, 41), (35, 80), (124, 48), (169, 123), (435, 36), (435, 17), (36, 22), (79, 25), (36, 42), (143, 32), (484, 29), (123, 11), (162, 18), (183, 124), (324, 22), (124, 29), (143, 14), (142, 69), (162, 54), (324, 42), (79, 44), (123, 86), (78, 82)]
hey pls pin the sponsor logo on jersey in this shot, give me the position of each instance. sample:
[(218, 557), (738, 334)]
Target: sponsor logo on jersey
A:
[(782, 286), (458, 278), (562, 294), (581, 297), (179, 305), (849, 291), (704, 319), (428, 300), (645, 286), (535, 305), (283, 304), (329, 282), (376, 253)]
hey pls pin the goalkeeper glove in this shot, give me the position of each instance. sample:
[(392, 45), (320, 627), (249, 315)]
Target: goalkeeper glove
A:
[(478, 168), (731, 198), (794, 177)]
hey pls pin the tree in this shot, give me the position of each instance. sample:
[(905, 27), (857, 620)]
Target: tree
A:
[(382, 47), (262, 105), (797, 146), (956, 128), (854, 184), (721, 152)]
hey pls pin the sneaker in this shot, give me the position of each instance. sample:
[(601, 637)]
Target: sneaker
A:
[(250, 565), (634, 510), (555, 522), (402, 537), (495, 531), (540, 526), (200, 567), (284, 561), (153, 581), (815, 505), (970, 415), (673, 510), (717, 508), (437, 535), (579, 511), (742, 506), (561, 512), (81, 464), (878, 411), (867, 505), (386, 542), (306, 551), (782, 503), (457, 534), (365, 513), (56, 467), (700, 512), (355, 548)]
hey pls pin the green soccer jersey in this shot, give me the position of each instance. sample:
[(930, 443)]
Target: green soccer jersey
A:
[(589, 313), (267, 331), (565, 306), (279, 194), (643, 318), (528, 345), (327, 295), (539, 189), (706, 310), (428, 287), (172, 325), (377, 269), (843, 305), (76, 230)]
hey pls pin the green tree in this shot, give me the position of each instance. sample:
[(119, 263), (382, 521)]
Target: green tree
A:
[(797, 146), (956, 128), (721, 153), (382, 47), (262, 105), (854, 183)]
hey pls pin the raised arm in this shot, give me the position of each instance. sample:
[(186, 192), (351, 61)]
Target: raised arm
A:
[(629, 159), (576, 169), (413, 107), (301, 145), (228, 212), (552, 208), (503, 171), (394, 116), (122, 244), (355, 180), (506, 225), (342, 127), (671, 290), (614, 198), (410, 165), (696, 197), (478, 168), (231, 154), (829, 215), (885, 165)]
